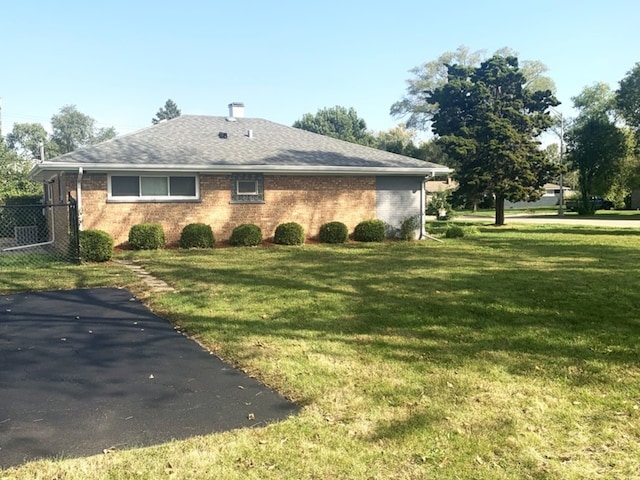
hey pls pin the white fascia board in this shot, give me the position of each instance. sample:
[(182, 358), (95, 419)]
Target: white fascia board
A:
[(39, 170)]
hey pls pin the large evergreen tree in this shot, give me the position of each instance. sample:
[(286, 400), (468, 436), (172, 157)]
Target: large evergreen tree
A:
[(488, 123)]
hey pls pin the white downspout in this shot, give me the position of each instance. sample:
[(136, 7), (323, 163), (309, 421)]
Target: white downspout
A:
[(423, 214), (423, 207), (79, 197)]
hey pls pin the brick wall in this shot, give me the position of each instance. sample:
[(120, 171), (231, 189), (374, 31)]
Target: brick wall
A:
[(308, 200)]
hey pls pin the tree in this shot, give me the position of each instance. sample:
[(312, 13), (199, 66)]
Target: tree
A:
[(628, 98), (337, 122), (13, 174), (169, 111), (488, 123), (598, 148), (73, 129), (434, 74), (26, 138), (399, 139)]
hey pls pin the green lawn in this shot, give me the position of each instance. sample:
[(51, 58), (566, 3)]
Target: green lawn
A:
[(509, 354)]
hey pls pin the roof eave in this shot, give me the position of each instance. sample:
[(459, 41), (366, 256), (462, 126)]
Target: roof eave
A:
[(45, 170)]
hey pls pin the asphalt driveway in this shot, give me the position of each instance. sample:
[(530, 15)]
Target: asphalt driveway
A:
[(85, 371)]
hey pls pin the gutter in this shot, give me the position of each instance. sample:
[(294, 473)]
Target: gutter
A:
[(262, 168)]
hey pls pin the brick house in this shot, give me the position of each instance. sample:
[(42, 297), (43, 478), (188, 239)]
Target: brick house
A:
[(225, 171)]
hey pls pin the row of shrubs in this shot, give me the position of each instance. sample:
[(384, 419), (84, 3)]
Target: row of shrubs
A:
[(97, 245)]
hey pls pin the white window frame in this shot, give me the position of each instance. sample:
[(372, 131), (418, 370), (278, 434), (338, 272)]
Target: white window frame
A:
[(153, 198), (255, 190)]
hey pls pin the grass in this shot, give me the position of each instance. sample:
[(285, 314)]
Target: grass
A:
[(509, 354), (553, 211)]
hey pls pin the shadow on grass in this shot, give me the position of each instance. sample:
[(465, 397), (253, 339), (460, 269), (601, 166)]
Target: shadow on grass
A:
[(536, 300)]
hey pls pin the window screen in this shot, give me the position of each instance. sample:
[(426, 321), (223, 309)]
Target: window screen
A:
[(183, 186), (122, 186)]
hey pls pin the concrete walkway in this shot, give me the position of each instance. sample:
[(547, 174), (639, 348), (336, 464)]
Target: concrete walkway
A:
[(153, 284)]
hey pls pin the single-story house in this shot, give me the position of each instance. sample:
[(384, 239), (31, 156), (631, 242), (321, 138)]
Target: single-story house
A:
[(225, 171)]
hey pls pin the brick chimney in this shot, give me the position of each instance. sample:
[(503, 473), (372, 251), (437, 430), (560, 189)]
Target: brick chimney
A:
[(236, 110)]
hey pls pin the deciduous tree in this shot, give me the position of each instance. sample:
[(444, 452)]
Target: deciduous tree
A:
[(73, 129), (13, 174), (337, 122), (598, 148), (628, 98), (26, 138)]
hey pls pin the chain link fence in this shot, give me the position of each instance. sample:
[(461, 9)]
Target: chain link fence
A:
[(36, 234)]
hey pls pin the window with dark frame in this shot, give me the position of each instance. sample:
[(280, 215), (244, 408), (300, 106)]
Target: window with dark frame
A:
[(247, 188)]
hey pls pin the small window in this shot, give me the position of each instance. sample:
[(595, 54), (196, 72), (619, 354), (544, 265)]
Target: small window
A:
[(247, 188), (152, 187)]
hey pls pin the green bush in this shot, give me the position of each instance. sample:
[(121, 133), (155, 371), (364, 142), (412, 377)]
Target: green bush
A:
[(454, 231), (440, 207), (197, 235), (290, 233), (408, 228), (146, 236), (369, 231), (95, 246), (333, 232), (246, 235)]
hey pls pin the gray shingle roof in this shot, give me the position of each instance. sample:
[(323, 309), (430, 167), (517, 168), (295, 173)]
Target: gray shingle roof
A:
[(208, 143)]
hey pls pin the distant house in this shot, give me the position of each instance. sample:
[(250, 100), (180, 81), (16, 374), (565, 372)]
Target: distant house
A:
[(550, 198), (225, 171)]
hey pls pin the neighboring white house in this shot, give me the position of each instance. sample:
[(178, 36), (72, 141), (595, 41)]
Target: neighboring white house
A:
[(550, 198)]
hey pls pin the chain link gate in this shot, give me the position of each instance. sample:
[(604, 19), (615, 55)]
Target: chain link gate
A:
[(34, 234)]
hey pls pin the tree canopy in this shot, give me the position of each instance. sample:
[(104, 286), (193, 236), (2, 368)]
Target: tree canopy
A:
[(598, 148), (487, 122), (433, 74), (169, 111), (73, 129), (14, 180), (628, 98), (26, 138), (337, 122)]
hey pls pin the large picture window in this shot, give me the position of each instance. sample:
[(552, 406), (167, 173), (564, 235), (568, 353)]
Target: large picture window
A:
[(153, 187)]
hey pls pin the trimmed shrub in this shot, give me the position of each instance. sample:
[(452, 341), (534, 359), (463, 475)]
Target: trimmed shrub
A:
[(454, 231), (146, 236), (246, 235), (408, 228), (369, 231), (333, 232), (95, 246), (290, 233), (197, 235)]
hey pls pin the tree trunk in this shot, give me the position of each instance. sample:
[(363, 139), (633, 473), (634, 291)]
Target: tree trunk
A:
[(499, 209)]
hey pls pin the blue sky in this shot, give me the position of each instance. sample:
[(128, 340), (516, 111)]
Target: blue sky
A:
[(119, 61)]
